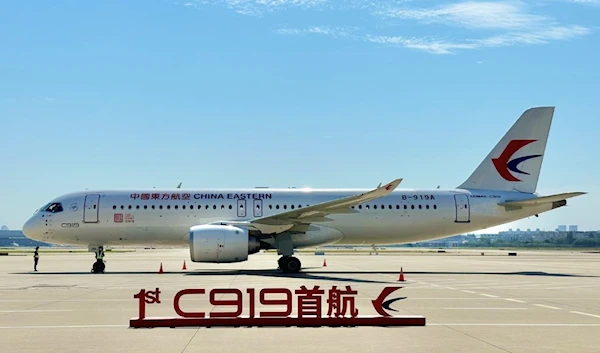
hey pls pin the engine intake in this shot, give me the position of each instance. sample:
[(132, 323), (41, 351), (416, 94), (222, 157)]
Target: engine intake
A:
[(221, 244)]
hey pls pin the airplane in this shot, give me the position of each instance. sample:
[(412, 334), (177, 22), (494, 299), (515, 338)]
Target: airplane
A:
[(228, 225)]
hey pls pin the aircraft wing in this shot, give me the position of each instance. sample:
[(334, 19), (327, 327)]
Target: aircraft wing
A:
[(541, 200), (300, 219)]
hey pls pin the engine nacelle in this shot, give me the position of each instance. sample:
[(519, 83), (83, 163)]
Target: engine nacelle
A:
[(221, 244)]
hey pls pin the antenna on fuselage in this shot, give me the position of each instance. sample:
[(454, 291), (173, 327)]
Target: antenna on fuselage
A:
[(179, 186)]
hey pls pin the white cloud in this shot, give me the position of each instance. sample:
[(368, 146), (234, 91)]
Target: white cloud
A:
[(259, 7), (449, 47), (323, 30), (492, 23), (593, 2), (483, 15)]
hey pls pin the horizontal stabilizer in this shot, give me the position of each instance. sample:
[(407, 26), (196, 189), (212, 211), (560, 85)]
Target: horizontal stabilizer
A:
[(541, 200)]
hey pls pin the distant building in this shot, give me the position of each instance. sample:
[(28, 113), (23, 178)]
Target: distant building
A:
[(573, 228), (4, 228), (10, 238), (561, 228)]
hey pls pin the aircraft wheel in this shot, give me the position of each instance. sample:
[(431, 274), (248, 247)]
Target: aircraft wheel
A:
[(290, 264)]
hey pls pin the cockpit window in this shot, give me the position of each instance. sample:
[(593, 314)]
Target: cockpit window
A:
[(54, 208)]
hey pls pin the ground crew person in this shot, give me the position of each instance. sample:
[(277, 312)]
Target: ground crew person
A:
[(36, 257), (100, 260)]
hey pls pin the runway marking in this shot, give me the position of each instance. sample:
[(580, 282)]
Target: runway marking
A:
[(569, 287), (60, 326), (488, 295), (514, 300), (31, 311), (468, 291), (528, 325), (428, 324), (451, 288), (586, 314), (485, 308), (547, 306)]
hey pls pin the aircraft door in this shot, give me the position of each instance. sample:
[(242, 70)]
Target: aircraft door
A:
[(91, 208), (463, 211), (257, 207), (241, 207)]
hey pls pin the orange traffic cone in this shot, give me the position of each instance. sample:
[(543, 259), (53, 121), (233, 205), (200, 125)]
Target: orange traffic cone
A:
[(401, 278), (184, 268), (160, 270), (324, 263)]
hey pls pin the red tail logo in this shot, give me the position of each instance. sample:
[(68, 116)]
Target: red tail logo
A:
[(504, 165)]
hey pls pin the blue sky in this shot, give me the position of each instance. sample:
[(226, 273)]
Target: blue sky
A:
[(241, 93)]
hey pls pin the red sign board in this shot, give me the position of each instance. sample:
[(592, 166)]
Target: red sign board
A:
[(242, 311)]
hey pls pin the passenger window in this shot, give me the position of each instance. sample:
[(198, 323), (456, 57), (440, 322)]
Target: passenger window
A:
[(270, 207), (160, 207), (285, 207), (122, 207), (153, 207), (176, 206), (183, 207), (412, 207), (375, 206), (397, 207), (419, 206), (222, 206), (214, 207), (114, 207), (277, 207), (427, 207), (137, 207), (390, 207), (230, 207), (145, 207), (360, 207), (434, 207), (168, 207)]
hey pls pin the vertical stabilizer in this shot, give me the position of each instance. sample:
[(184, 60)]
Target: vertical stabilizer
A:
[(515, 163)]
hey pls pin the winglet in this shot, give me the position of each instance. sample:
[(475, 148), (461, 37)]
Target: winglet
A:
[(389, 187)]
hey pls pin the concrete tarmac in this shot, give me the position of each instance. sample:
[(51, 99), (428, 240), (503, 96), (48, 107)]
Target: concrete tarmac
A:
[(538, 301)]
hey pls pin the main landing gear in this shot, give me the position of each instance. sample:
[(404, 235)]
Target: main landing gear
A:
[(289, 264)]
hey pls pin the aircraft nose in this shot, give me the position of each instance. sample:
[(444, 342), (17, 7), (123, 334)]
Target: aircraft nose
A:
[(32, 229)]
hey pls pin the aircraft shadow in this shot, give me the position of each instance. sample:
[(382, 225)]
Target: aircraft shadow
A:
[(315, 275), (521, 273), (263, 273)]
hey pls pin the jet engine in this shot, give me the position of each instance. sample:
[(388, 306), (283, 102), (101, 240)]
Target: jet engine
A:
[(221, 244)]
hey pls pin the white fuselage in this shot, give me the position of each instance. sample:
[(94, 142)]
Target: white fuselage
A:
[(164, 217)]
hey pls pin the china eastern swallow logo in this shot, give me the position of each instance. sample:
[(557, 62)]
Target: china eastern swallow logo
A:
[(381, 304), (504, 165)]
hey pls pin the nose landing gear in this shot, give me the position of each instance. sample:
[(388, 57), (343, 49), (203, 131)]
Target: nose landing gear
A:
[(98, 267), (289, 264)]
